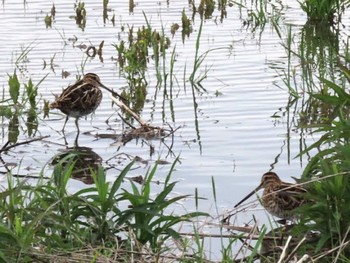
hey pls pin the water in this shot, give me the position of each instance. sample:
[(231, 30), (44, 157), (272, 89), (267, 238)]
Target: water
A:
[(232, 137)]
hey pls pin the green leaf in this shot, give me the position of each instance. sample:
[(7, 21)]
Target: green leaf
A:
[(148, 180), (329, 99), (14, 87), (5, 111), (119, 180), (165, 192), (171, 170), (32, 92), (337, 89)]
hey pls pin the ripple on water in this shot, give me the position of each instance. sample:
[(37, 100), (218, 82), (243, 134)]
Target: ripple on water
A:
[(230, 137)]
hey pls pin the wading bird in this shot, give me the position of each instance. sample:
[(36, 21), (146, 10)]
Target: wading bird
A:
[(279, 198), (81, 98)]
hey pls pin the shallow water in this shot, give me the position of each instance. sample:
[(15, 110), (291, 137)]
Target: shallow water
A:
[(234, 137)]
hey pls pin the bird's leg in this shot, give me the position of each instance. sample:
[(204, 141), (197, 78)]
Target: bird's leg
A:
[(282, 221), (76, 141), (65, 140), (76, 138), (64, 125), (76, 124)]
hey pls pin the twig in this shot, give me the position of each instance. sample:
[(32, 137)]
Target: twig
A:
[(6, 148), (146, 130), (304, 258), (247, 240), (171, 131), (295, 249), (341, 244), (127, 109), (250, 236), (331, 250), (124, 120), (284, 251), (5, 145), (30, 176), (119, 253), (3, 162)]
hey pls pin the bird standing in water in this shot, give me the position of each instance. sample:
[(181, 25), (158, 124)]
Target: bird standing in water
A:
[(279, 198), (81, 98)]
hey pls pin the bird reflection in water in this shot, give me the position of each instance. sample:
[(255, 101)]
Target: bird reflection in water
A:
[(84, 160)]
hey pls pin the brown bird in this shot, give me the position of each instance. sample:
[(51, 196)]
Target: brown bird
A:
[(279, 198), (81, 98)]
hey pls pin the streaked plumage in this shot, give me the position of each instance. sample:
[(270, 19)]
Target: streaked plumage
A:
[(80, 99), (279, 198)]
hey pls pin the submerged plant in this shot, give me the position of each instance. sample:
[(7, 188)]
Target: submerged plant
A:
[(13, 128), (14, 87), (22, 101), (174, 27), (186, 25), (48, 21), (32, 92), (133, 57), (206, 8), (50, 18), (194, 77), (80, 14)]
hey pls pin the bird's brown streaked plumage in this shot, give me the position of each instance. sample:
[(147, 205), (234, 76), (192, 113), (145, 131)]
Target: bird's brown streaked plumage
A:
[(279, 198), (81, 98)]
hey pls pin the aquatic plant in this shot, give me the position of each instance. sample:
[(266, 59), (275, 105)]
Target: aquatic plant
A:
[(186, 25), (324, 10), (50, 18), (174, 27), (80, 14), (133, 57), (327, 171), (48, 21), (14, 87), (206, 8), (22, 101)]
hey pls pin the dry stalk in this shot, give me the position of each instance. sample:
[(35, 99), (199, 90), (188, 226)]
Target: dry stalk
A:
[(342, 245), (295, 249), (121, 105), (284, 251), (305, 258), (330, 251)]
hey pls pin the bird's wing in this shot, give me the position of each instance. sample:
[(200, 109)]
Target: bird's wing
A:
[(291, 194)]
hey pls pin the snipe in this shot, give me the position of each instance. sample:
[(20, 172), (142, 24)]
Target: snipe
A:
[(279, 198), (81, 98)]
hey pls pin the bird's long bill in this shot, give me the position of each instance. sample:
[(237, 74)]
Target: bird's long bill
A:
[(106, 88), (249, 195), (112, 91)]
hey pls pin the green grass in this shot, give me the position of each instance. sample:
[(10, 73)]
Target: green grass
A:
[(119, 222), (325, 111), (317, 79), (48, 216), (329, 11)]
